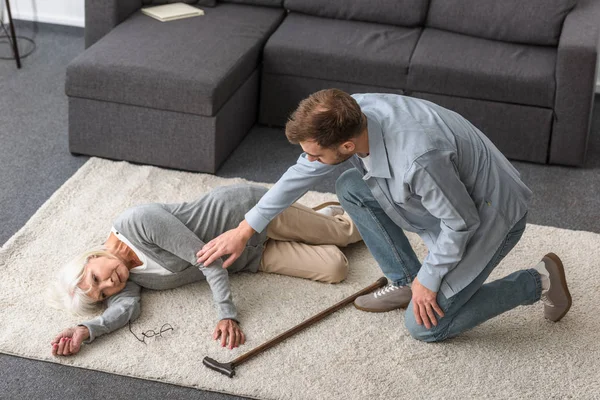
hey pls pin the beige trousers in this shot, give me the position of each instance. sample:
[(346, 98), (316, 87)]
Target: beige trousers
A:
[(304, 244)]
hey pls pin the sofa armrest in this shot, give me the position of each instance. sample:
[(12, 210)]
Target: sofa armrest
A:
[(103, 15), (577, 56)]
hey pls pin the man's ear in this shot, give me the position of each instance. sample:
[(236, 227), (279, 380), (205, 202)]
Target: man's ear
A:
[(348, 147)]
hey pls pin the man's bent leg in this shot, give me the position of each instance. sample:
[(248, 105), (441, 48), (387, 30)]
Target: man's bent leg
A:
[(324, 263), (479, 302), (492, 299), (386, 240), (302, 224)]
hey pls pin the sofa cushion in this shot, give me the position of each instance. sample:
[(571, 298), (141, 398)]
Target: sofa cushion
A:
[(280, 94), (532, 21), (394, 12), (347, 51), (268, 3), (459, 65), (190, 65)]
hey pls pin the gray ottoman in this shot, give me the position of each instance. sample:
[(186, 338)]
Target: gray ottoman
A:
[(180, 94)]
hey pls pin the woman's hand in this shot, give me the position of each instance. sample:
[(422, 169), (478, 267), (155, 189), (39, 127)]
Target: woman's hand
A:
[(229, 329), (68, 342)]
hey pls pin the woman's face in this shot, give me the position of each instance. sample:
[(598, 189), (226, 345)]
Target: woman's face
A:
[(105, 276)]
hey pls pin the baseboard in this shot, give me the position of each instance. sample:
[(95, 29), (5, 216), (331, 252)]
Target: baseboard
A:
[(49, 27), (51, 19)]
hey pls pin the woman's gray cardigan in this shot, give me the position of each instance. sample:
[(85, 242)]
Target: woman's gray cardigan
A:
[(172, 234)]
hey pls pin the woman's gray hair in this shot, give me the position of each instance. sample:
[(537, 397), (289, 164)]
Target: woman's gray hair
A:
[(65, 294)]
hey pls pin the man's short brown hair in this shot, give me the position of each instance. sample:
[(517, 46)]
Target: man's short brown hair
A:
[(329, 117)]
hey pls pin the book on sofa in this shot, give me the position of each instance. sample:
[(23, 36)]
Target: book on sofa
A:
[(173, 11)]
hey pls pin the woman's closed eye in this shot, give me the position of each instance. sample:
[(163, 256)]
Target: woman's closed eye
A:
[(95, 279)]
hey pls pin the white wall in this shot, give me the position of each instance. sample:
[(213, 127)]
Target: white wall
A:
[(61, 12)]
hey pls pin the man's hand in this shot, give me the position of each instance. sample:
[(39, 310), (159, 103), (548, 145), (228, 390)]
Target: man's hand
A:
[(232, 242), (229, 329), (424, 305), (68, 342)]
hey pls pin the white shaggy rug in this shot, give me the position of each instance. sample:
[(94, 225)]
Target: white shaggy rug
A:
[(349, 355)]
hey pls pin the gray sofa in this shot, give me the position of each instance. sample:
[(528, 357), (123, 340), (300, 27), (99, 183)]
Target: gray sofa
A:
[(183, 94)]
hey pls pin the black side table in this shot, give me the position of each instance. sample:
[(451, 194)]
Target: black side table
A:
[(14, 36)]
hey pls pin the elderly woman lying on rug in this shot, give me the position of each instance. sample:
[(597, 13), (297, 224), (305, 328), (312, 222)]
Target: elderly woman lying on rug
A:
[(155, 246)]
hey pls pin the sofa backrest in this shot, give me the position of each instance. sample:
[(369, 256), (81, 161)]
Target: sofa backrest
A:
[(523, 21), (206, 3), (212, 3), (268, 3), (393, 12)]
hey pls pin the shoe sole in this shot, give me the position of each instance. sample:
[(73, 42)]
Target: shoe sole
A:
[(563, 282), (374, 310)]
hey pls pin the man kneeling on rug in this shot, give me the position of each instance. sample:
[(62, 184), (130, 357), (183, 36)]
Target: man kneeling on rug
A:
[(155, 245), (422, 168)]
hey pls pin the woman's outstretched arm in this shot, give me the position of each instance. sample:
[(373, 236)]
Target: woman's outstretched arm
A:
[(121, 308)]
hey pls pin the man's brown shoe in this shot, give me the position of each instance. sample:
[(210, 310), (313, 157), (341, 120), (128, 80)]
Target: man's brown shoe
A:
[(557, 299), (387, 298)]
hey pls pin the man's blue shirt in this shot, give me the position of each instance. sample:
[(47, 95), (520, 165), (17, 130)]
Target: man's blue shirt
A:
[(433, 173)]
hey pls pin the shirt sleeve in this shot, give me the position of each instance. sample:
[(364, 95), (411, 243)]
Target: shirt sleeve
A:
[(292, 185), (121, 308), (155, 225), (434, 178)]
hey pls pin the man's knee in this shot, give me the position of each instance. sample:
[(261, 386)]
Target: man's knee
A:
[(419, 332), (349, 183)]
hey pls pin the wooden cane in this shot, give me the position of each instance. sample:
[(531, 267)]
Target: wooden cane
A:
[(229, 368)]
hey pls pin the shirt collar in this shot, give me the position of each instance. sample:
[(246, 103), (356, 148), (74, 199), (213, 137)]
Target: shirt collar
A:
[(380, 167)]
